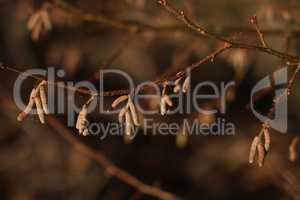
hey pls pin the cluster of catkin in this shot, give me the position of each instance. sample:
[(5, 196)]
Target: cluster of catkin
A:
[(39, 22), (39, 99), (258, 146), (165, 100), (127, 116)]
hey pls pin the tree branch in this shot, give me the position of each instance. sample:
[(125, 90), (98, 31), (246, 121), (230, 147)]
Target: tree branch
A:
[(109, 167)]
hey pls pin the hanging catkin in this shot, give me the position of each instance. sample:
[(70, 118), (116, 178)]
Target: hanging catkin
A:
[(29, 106), (39, 109), (133, 112), (44, 99)]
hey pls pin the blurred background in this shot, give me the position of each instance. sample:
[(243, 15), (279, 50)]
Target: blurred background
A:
[(141, 38)]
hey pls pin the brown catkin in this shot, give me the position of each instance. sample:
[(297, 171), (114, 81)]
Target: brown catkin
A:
[(44, 99), (128, 126), (133, 112), (253, 149), (163, 106), (267, 139), (293, 149), (85, 132), (82, 118), (168, 100), (119, 100), (36, 31), (128, 123), (186, 84), (46, 19), (39, 109), (22, 116), (29, 106), (176, 89), (33, 21), (177, 86), (122, 115), (261, 154)]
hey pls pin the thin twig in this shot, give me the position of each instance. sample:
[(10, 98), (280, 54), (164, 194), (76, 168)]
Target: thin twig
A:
[(140, 27), (253, 21), (200, 30), (122, 92)]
